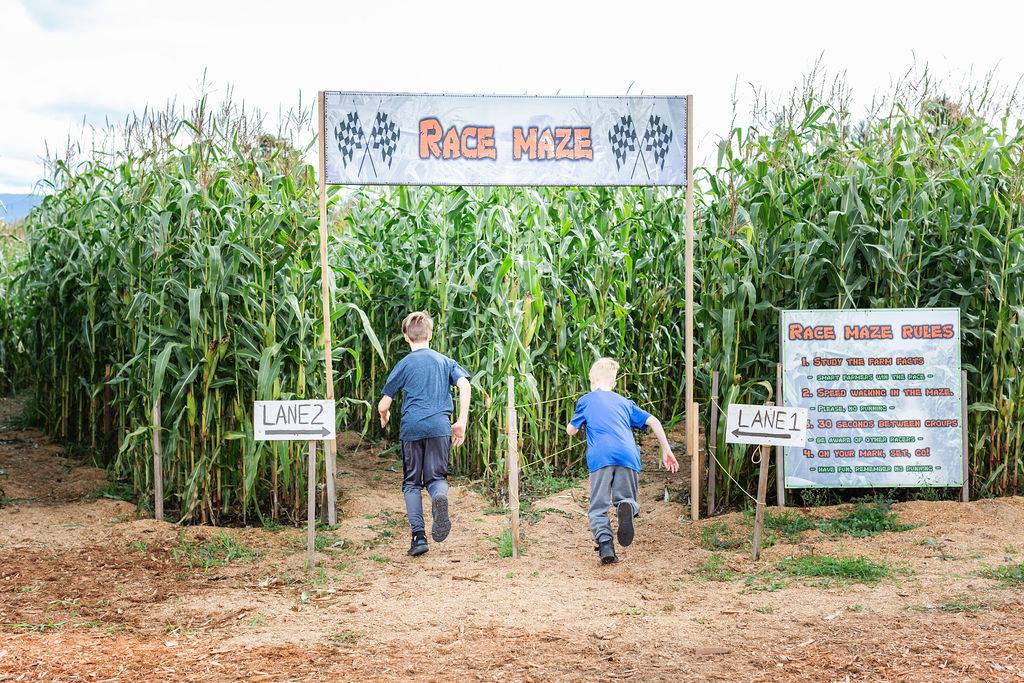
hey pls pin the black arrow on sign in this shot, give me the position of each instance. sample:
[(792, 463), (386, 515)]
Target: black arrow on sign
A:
[(323, 431), (769, 435)]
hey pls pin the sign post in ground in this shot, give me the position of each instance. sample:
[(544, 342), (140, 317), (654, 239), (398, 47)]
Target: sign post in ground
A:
[(301, 420), (765, 426)]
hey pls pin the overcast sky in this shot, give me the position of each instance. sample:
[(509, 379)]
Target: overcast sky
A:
[(68, 60)]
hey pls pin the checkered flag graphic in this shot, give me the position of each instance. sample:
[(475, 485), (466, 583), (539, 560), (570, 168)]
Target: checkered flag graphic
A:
[(623, 139), (657, 139), (350, 136), (384, 137)]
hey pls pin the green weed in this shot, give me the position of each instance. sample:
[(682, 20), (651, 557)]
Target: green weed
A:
[(850, 569)]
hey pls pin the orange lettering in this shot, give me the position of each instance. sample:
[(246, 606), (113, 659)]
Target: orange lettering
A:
[(520, 144), (451, 144), (546, 145), (582, 146), (430, 135), (485, 143)]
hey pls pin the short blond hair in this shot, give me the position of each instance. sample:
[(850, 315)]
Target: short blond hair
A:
[(604, 371), (418, 326)]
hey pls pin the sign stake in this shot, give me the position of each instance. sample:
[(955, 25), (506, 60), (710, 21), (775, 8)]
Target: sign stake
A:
[(762, 493), (713, 448), (512, 465), (780, 475), (158, 464), (311, 509), (965, 493), (691, 413), (330, 452)]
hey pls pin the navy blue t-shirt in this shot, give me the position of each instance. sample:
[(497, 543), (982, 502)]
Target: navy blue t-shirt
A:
[(426, 378), (610, 420)]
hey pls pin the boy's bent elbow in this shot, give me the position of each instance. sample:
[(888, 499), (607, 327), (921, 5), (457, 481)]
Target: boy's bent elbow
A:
[(570, 430)]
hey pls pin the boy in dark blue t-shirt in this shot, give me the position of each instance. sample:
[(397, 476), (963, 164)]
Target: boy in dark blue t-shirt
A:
[(612, 455), (426, 377)]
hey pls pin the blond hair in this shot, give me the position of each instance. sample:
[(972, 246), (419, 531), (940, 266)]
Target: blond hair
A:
[(603, 371), (418, 326)]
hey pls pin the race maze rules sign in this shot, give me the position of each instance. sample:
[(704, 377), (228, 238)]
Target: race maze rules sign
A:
[(409, 139), (882, 390)]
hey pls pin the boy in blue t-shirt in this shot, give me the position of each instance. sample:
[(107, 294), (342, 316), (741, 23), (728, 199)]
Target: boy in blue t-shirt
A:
[(612, 455), (425, 378)]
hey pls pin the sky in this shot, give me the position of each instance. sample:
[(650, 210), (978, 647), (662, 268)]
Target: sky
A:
[(69, 62)]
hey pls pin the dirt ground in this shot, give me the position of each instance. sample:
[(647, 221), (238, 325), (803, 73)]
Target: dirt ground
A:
[(89, 591)]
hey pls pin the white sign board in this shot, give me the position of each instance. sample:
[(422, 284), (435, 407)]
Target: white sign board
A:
[(293, 420), (883, 391), (766, 425), (417, 139)]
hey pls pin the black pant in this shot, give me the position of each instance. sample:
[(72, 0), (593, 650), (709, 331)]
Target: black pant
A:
[(425, 461)]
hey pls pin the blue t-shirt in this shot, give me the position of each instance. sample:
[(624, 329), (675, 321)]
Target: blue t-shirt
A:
[(610, 420), (426, 378)]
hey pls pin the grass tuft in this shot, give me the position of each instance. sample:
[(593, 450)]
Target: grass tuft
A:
[(1008, 575), (220, 550), (848, 569)]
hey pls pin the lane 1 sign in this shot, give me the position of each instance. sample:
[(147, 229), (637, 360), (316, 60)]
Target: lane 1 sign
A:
[(766, 425), (293, 420)]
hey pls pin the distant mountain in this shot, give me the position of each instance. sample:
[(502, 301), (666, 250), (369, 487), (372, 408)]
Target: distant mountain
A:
[(14, 207)]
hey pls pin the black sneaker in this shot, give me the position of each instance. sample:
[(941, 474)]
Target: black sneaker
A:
[(626, 530), (606, 551), (419, 543), (442, 523)]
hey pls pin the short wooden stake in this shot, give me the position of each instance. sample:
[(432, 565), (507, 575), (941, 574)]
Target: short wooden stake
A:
[(158, 464), (311, 509), (780, 452), (713, 447), (762, 493), (513, 465), (965, 493)]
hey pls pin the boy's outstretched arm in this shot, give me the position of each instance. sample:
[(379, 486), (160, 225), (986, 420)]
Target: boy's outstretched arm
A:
[(459, 428), (384, 409), (668, 460)]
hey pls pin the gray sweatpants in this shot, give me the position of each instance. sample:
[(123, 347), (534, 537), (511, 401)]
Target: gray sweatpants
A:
[(610, 486)]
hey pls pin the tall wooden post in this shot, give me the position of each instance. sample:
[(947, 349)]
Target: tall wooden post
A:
[(158, 464), (513, 465), (691, 412), (331, 446), (965, 493), (311, 509), (780, 451), (762, 494), (713, 446)]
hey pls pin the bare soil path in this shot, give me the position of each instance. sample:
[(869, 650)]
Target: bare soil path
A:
[(89, 591)]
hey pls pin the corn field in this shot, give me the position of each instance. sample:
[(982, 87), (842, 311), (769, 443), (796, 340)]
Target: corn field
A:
[(186, 269)]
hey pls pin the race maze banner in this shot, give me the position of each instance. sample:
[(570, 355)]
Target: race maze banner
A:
[(408, 139), (882, 389)]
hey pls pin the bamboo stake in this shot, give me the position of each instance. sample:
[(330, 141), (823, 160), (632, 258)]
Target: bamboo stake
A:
[(762, 494), (780, 452), (311, 509), (713, 447), (513, 465), (691, 416), (331, 450), (158, 464), (965, 493)]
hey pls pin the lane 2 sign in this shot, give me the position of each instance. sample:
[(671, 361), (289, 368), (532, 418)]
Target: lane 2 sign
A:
[(766, 425), (304, 420)]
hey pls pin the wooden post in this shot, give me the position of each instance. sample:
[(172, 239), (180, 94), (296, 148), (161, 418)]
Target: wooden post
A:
[(513, 465), (158, 464), (780, 451), (691, 414), (311, 509), (762, 494), (331, 450), (965, 493), (713, 447)]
